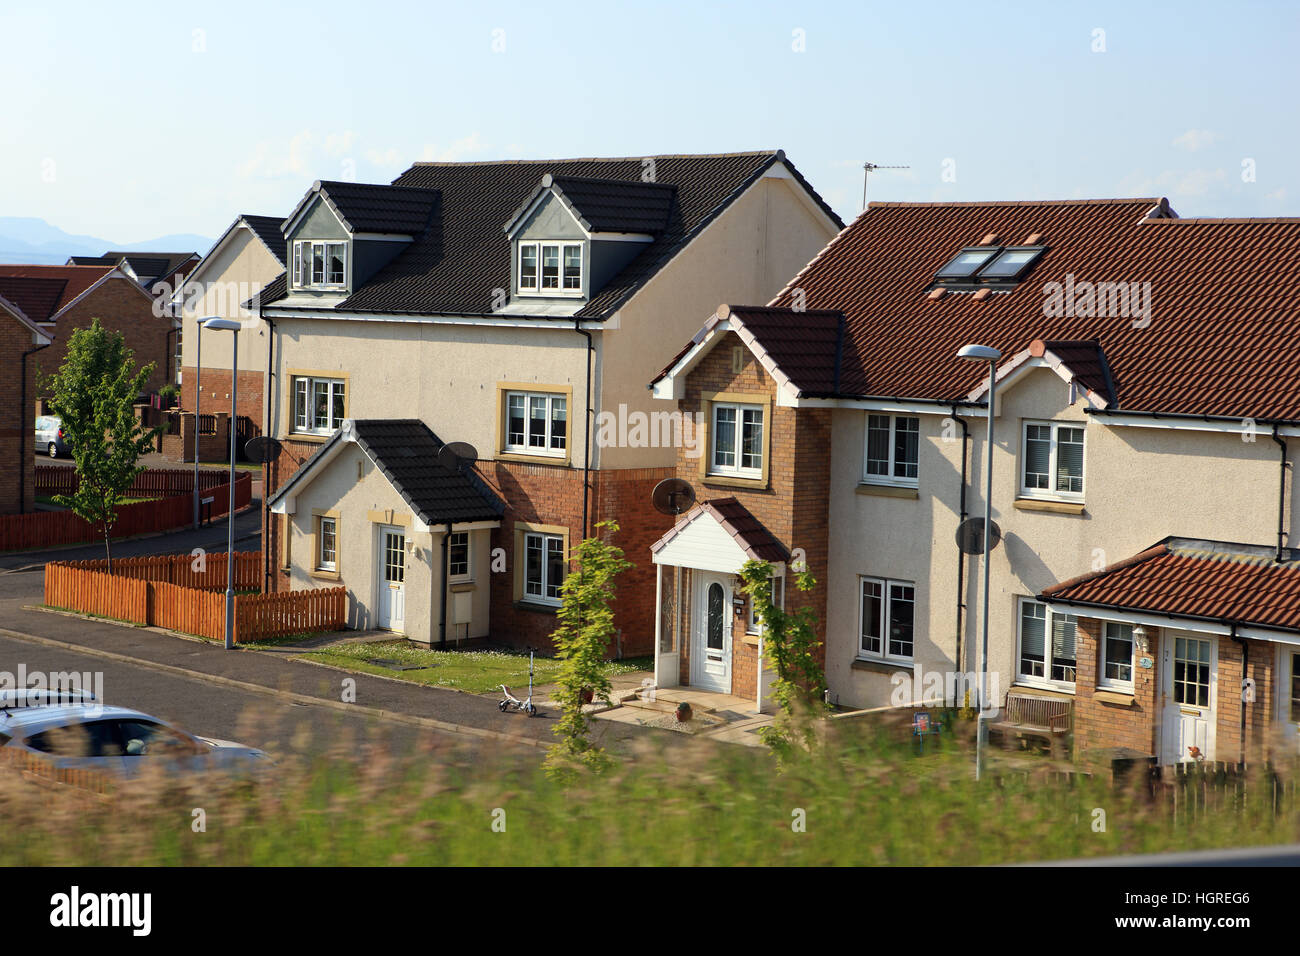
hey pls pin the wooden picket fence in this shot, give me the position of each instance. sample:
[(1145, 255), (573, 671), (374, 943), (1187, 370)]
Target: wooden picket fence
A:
[(206, 572), (153, 601), (151, 483), (45, 529)]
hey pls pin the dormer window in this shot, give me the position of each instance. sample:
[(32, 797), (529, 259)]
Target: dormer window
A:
[(550, 268), (320, 265)]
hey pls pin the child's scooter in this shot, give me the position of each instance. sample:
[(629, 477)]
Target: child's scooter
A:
[(514, 703)]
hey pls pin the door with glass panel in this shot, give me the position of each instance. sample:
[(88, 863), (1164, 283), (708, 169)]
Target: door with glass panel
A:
[(1190, 685), (392, 578), (711, 638)]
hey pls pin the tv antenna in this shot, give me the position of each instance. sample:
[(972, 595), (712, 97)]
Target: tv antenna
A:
[(867, 170)]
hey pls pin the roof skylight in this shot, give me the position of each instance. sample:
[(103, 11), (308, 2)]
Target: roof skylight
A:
[(1011, 262), (967, 262)]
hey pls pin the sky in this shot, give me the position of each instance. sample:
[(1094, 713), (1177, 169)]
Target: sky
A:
[(137, 119)]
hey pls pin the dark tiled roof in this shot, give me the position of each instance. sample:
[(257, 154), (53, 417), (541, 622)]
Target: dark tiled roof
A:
[(146, 267), (1201, 580), (1088, 363), (455, 265), (76, 279), (369, 207), (406, 452), (38, 298), (749, 533), (267, 229), (1224, 333), (91, 261), (616, 205)]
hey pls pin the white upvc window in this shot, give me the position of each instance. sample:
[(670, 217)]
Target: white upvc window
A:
[(549, 268), (737, 443), (1052, 460), (887, 612), (319, 265), (318, 404), (1046, 646), (892, 450), (326, 544), (752, 624), (543, 567), (458, 563), (1116, 670), (537, 423)]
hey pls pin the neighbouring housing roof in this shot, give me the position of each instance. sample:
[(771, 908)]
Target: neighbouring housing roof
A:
[(1202, 580), (406, 450), (41, 337), (608, 205), (1222, 337), (267, 229), (737, 520), (455, 265), (154, 267), (43, 291), (373, 207)]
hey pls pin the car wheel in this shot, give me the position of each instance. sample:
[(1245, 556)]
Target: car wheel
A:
[(52, 450)]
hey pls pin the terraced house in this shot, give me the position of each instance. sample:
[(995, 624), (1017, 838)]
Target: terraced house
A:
[(517, 307), (1146, 415)]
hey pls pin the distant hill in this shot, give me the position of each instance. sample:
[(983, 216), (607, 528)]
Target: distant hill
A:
[(30, 240)]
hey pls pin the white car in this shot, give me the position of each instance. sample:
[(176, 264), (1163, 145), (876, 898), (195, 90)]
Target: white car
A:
[(50, 437), (117, 741), (43, 697)]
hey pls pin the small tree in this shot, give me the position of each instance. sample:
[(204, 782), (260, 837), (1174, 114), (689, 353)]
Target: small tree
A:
[(790, 645), (93, 393), (582, 639)]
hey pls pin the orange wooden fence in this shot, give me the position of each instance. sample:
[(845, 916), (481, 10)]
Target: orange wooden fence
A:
[(193, 610), (45, 529), (187, 570), (151, 483)]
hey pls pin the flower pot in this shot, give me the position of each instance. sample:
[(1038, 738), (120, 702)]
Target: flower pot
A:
[(588, 695), (684, 712)]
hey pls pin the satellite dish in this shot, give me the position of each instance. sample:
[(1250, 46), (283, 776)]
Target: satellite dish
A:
[(453, 454), (672, 496), (263, 448), (970, 536)]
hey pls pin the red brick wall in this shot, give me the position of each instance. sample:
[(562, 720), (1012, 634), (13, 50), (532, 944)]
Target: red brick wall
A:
[(120, 306), (216, 393), (793, 505), (17, 422)]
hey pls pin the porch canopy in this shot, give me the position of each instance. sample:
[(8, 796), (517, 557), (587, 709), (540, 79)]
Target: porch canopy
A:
[(718, 535), (1210, 586)]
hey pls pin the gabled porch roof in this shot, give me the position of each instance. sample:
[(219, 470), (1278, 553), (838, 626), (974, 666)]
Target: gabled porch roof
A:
[(718, 535)]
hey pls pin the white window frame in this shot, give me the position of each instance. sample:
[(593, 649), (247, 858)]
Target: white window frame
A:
[(545, 448), (887, 586), (890, 478), (752, 624), (304, 424), (545, 540), (321, 563), (1046, 680), (469, 556), (736, 469), (1109, 683), (561, 291), (1051, 494), (301, 264)]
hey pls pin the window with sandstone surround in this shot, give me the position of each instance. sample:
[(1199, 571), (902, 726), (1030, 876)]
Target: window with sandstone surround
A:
[(892, 450), (1116, 672)]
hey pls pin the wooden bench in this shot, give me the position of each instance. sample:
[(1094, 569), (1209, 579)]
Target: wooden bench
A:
[(1034, 715)]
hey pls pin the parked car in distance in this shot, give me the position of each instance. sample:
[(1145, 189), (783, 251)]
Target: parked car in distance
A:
[(49, 437), (118, 741)]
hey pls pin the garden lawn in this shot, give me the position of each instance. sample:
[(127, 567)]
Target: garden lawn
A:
[(478, 672)]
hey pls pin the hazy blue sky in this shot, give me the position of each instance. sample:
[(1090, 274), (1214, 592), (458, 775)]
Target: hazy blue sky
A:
[(132, 119)]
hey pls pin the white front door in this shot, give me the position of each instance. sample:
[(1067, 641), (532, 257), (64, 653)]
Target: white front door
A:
[(1288, 693), (1190, 691), (392, 578), (711, 633)]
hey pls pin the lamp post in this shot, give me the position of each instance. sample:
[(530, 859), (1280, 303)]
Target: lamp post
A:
[(229, 325), (984, 353)]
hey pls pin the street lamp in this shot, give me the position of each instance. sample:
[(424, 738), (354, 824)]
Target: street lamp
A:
[(218, 324), (198, 398), (984, 353)]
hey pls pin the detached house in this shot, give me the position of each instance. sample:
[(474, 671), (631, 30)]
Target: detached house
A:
[(519, 308), (61, 299), (1146, 416), (20, 341)]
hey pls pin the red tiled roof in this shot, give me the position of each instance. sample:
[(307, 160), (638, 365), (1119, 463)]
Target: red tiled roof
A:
[(38, 298), (1224, 335), (748, 532), (76, 280), (1204, 580)]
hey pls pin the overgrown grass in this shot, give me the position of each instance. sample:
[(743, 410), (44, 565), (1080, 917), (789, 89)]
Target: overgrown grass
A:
[(867, 801), (477, 672)]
